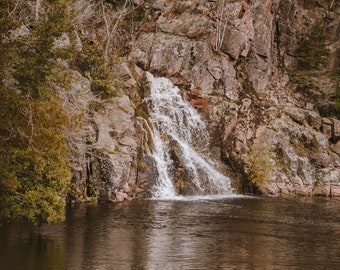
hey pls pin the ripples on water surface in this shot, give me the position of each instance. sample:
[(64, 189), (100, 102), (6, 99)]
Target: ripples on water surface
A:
[(218, 232)]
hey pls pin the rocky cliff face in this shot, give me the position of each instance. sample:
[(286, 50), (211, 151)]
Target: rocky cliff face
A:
[(268, 99)]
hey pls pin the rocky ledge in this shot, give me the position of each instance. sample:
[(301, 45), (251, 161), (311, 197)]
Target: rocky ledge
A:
[(273, 122)]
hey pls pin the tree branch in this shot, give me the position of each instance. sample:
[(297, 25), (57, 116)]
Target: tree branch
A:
[(37, 9)]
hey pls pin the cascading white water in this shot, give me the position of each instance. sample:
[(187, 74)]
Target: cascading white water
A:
[(175, 124)]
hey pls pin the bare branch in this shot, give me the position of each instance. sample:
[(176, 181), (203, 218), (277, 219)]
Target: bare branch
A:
[(84, 11), (112, 22), (221, 27), (37, 9), (10, 13)]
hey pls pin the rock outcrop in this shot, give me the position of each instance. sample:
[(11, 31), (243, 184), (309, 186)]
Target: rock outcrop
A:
[(238, 63)]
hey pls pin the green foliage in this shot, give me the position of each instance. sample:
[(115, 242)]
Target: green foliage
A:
[(103, 88), (90, 61), (259, 164), (95, 106), (312, 52), (335, 75), (299, 77), (312, 57), (337, 101), (34, 170), (92, 189)]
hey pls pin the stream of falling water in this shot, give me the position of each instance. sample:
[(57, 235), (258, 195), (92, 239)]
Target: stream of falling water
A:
[(177, 125)]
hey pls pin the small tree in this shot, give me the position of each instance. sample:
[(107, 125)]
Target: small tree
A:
[(312, 51), (34, 169)]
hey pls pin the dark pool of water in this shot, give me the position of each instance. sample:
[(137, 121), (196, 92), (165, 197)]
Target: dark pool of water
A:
[(228, 233)]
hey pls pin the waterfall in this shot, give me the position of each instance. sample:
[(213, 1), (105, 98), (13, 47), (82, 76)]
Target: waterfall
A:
[(180, 137)]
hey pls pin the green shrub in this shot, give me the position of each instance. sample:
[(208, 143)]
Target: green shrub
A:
[(104, 88), (312, 52), (259, 164), (312, 57), (335, 75)]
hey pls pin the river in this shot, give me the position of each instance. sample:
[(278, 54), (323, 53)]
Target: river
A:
[(232, 232)]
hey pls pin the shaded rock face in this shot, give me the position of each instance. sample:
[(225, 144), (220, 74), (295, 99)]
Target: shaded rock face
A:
[(117, 144), (104, 147), (230, 63)]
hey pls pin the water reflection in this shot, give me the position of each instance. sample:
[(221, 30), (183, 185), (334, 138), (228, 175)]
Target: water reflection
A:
[(231, 233)]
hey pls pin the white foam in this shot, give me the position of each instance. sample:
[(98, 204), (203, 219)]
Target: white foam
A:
[(175, 122), (202, 197)]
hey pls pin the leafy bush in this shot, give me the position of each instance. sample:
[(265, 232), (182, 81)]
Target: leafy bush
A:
[(259, 164), (103, 88)]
